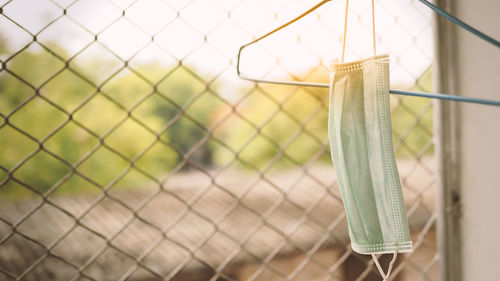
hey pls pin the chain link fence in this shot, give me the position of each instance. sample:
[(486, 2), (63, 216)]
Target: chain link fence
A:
[(131, 151)]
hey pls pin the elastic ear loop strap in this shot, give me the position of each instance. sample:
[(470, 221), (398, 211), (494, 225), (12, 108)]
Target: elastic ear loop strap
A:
[(345, 29), (391, 264)]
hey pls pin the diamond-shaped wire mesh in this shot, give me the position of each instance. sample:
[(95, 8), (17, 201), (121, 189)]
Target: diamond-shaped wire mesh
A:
[(131, 151)]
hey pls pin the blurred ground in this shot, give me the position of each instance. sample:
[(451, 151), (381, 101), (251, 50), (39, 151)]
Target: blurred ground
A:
[(180, 223)]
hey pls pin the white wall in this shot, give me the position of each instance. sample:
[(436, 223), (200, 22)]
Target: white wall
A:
[(471, 68)]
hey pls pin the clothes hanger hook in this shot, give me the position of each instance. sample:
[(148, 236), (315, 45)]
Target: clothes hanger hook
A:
[(397, 92)]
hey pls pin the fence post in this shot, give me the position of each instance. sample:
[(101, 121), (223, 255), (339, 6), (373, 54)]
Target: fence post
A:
[(467, 148), (447, 117)]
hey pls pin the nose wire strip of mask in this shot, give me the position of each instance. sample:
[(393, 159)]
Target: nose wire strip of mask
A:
[(440, 96)]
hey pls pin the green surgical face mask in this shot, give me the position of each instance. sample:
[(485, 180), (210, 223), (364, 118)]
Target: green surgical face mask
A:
[(359, 131)]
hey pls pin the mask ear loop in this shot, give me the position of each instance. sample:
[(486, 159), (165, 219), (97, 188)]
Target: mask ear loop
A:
[(391, 264), (373, 29), (345, 30)]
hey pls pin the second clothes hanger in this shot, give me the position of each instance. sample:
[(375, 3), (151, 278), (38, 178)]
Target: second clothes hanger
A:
[(398, 92)]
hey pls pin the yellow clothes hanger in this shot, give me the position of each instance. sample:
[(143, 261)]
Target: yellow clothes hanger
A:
[(398, 92)]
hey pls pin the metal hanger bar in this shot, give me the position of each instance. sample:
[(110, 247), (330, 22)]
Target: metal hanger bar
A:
[(445, 97), (392, 91), (397, 92), (289, 83), (461, 23)]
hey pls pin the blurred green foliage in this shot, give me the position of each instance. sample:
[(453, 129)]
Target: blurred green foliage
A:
[(295, 122), (75, 116), (287, 123), (412, 121), (272, 126)]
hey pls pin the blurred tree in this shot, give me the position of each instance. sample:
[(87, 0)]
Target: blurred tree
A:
[(412, 120), (193, 106), (280, 110), (171, 101), (3, 44), (19, 82), (293, 120), (165, 108)]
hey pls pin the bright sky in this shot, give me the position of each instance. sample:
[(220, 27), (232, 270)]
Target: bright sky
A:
[(403, 30)]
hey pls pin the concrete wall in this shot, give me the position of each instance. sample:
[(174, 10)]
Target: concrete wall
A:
[(470, 148)]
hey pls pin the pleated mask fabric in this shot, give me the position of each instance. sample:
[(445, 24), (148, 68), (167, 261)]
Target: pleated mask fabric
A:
[(360, 136)]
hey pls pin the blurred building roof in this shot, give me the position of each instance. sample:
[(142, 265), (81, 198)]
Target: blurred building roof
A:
[(285, 211)]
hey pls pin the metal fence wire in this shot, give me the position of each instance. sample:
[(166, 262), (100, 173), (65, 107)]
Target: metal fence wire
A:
[(131, 151)]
